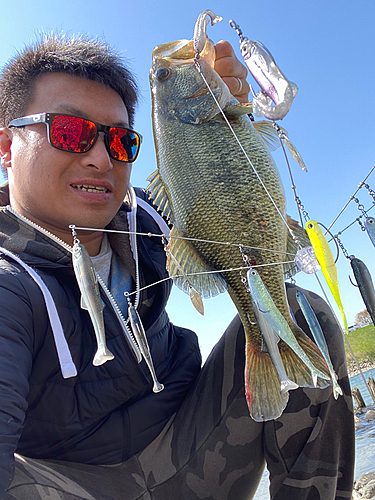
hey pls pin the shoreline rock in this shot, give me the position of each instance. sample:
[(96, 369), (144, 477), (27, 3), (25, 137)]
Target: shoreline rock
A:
[(365, 366), (364, 487)]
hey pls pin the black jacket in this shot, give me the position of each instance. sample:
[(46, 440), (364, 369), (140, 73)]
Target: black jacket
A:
[(104, 414)]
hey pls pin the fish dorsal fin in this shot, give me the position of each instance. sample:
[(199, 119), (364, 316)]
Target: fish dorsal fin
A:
[(159, 195), (292, 247), (207, 285)]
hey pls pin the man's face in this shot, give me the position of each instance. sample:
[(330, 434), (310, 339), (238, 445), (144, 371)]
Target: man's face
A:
[(46, 183)]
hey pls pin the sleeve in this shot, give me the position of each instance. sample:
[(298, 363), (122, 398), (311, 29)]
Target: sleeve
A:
[(310, 448), (16, 347)]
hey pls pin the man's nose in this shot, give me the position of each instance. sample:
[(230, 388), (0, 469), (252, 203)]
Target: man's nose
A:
[(98, 156)]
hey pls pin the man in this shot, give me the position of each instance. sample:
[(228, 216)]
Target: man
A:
[(100, 432)]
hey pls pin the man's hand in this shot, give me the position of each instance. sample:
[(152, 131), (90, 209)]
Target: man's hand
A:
[(232, 71)]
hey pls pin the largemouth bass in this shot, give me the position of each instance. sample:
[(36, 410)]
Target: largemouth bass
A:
[(206, 188)]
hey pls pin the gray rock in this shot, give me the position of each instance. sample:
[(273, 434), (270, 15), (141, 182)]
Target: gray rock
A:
[(370, 415), (364, 488)]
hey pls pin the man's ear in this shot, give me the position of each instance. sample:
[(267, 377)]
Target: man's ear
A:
[(5, 143)]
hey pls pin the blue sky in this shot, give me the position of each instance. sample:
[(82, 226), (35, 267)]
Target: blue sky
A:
[(325, 47)]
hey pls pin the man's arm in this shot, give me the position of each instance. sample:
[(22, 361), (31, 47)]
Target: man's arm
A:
[(15, 366)]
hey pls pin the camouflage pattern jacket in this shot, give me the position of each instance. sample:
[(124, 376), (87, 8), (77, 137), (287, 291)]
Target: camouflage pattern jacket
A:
[(104, 414)]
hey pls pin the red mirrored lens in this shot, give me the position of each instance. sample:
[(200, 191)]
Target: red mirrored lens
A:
[(71, 133), (123, 144)]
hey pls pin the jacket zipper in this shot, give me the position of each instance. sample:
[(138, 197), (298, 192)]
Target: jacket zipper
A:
[(124, 323)]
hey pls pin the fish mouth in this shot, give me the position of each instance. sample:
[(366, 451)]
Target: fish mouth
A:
[(183, 50)]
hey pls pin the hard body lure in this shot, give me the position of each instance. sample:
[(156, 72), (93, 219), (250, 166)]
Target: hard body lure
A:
[(325, 258), (276, 320), (365, 284), (90, 299), (320, 340), (370, 228)]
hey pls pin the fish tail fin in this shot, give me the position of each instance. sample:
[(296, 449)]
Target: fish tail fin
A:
[(318, 374), (337, 391), (262, 386), (102, 355)]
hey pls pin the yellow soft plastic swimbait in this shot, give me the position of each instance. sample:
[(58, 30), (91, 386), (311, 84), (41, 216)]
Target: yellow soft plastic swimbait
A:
[(327, 263)]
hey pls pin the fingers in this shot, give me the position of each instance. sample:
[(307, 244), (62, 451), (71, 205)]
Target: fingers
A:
[(232, 71)]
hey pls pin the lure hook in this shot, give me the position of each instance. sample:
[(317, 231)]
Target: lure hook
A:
[(337, 246), (350, 279)]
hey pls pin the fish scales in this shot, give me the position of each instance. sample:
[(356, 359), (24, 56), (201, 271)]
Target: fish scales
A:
[(208, 190)]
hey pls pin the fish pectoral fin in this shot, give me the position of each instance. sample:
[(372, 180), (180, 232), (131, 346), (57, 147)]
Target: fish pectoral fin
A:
[(268, 133), (186, 264), (238, 110), (159, 195)]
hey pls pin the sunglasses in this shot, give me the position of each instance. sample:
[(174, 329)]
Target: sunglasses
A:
[(78, 135)]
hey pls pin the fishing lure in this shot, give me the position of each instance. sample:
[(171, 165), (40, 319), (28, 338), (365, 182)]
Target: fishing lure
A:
[(90, 299), (275, 87), (271, 340), (325, 258), (276, 320), (320, 340), (306, 260), (365, 284), (200, 35), (370, 228), (140, 336)]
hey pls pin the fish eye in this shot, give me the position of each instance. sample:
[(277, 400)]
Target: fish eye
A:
[(370, 220), (309, 226), (162, 74), (253, 273)]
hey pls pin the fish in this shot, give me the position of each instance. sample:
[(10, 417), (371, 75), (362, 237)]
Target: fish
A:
[(205, 187), (276, 320), (327, 263), (365, 284), (320, 340), (91, 300), (370, 228)]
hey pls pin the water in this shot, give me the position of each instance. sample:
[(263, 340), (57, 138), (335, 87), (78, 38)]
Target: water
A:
[(364, 439), (365, 430)]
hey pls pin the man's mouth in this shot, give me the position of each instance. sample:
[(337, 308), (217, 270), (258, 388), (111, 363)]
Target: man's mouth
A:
[(89, 188)]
